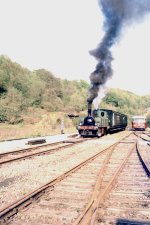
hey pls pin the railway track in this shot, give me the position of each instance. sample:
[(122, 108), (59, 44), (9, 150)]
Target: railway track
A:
[(125, 199), (67, 195), (146, 137), (128, 202), (147, 133), (21, 177), (143, 135), (144, 154), (100, 190), (38, 150), (144, 149)]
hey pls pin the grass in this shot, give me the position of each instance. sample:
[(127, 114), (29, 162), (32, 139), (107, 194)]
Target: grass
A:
[(40, 124), (9, 132)]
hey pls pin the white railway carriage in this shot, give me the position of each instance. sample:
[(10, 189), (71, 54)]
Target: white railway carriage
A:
[(139, 123)]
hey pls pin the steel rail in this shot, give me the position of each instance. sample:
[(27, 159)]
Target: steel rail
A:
[(89, 214), (66, 144), (142, 137), (29, 148), (88, 209), (143, 161), (27, 198)]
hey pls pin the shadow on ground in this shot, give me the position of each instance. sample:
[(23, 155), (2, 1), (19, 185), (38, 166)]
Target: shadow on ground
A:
[(131, 222)]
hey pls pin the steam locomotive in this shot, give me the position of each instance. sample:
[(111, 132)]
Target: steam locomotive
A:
[(100, 122)]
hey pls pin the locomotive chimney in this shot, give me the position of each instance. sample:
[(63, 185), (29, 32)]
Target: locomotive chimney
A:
[(89, 108)]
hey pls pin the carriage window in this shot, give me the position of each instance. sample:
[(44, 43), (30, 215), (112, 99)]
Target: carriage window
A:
[(102, 114), (139, 120)]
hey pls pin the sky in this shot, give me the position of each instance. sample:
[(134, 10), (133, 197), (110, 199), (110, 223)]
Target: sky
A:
[(57, 35)]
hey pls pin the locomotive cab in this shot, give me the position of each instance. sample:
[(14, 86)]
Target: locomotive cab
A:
[(101, 120)]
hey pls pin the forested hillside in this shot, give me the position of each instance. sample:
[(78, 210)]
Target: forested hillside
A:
[(127, 102), (22, 90)]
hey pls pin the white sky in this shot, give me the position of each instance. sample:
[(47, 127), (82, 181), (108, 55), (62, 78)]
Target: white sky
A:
[(58, 34)]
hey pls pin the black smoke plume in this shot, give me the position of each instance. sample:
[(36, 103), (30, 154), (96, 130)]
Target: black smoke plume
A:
[(118, 13)]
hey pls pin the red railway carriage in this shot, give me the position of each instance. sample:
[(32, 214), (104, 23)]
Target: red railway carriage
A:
[(139, 123)]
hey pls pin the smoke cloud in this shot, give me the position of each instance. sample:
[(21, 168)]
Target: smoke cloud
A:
[(118, 14)]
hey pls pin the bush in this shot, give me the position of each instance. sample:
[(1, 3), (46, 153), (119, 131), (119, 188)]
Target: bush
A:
[(3, 117)]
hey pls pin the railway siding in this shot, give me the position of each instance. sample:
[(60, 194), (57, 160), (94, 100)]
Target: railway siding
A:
[(144, 153), (67, 201), (29, 174), (129, 200), (36, 151), (68, 198), (74, 189)]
